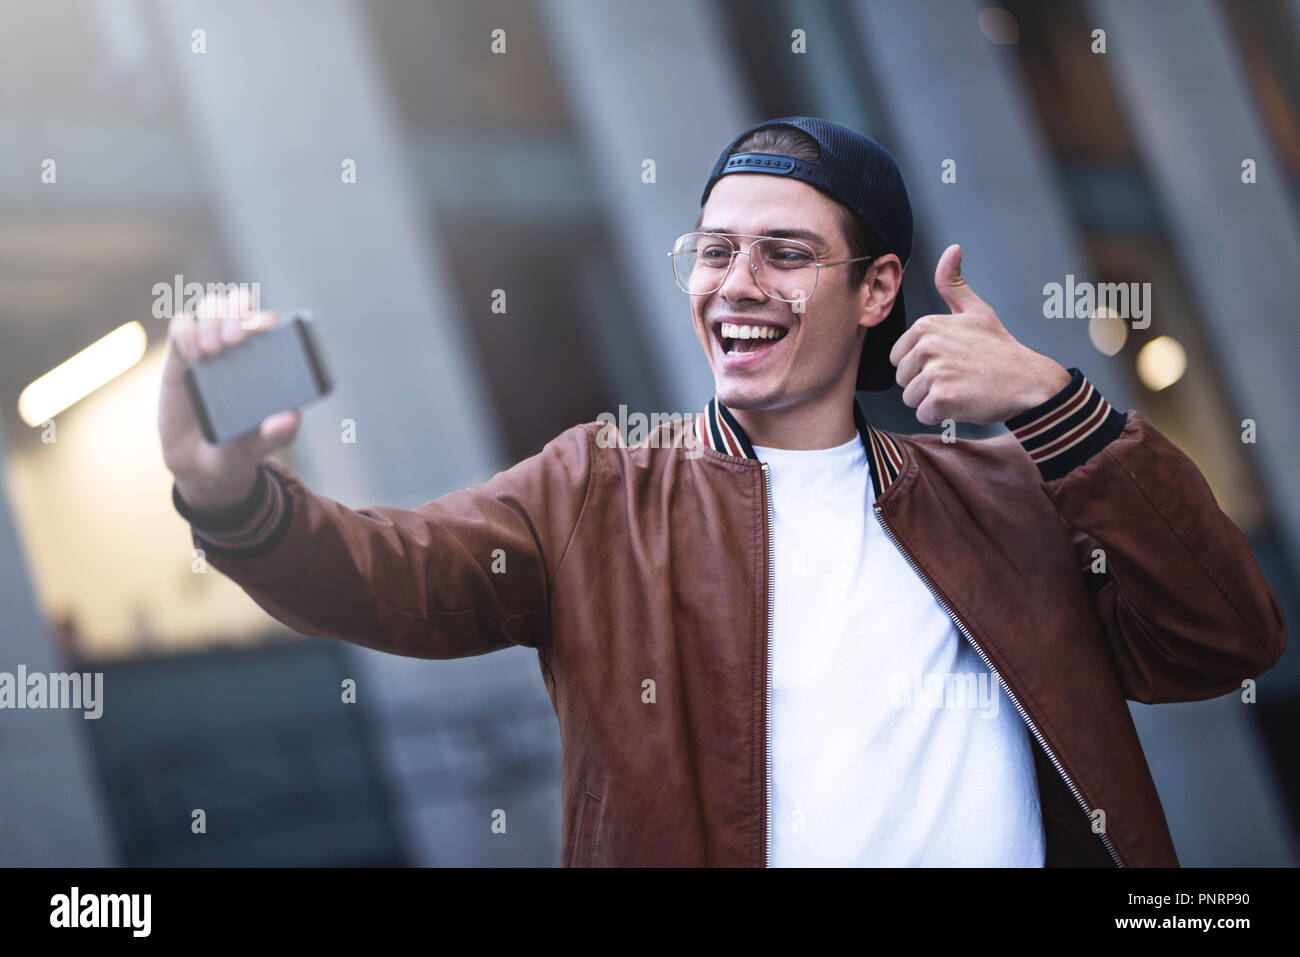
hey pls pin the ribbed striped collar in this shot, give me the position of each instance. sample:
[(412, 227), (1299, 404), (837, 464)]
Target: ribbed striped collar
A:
[(718, 429)]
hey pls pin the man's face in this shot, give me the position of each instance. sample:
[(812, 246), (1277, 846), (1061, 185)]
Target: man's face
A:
[(820, 340)]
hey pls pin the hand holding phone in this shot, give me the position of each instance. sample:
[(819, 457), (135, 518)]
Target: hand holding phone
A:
[(232, 381), (233, 391)]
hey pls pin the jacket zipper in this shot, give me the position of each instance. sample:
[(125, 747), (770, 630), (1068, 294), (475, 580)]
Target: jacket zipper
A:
[(1105, 838), (767, 674)]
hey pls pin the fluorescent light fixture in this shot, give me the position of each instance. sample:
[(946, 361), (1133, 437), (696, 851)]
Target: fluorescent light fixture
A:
[(73, 379)]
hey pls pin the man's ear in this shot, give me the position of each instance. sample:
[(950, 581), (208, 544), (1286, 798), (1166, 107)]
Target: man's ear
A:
[(880, 286)]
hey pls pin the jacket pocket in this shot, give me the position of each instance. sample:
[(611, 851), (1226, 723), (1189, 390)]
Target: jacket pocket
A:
[(587, 831)]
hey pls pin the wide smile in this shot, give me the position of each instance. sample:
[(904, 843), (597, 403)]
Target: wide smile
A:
[(744, 344)]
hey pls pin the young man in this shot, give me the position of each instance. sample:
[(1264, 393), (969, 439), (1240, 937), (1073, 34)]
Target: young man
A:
[(786, 637)]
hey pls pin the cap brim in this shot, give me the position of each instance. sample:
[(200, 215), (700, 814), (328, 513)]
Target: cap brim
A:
[(875, 372)]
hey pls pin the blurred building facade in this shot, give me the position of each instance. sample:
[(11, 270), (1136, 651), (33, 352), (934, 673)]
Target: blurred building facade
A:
[(496, 271)]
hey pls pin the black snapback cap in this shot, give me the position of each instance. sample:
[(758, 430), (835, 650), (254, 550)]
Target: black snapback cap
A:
[(858, 172)]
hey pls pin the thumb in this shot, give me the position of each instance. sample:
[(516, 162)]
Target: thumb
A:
[(948, 280), (275, 432)]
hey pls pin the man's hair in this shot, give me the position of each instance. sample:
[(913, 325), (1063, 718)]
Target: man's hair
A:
[(795, 143)]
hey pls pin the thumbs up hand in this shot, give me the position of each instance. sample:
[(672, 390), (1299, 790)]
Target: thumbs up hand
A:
[(966, 366)]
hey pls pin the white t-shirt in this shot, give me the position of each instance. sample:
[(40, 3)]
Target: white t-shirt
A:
[(892, 744)]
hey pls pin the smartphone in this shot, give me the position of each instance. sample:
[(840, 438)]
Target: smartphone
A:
[(268, 372)]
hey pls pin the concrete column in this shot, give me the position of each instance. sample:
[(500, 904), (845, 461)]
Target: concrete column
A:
[(948, 95), (1195, 120), (51, 808), (651, 82), (283, 96)]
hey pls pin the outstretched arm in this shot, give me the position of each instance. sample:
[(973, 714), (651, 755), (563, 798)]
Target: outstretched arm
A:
[(464, 574)]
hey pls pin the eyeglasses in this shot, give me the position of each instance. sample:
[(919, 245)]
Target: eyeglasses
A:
[(785, 269)]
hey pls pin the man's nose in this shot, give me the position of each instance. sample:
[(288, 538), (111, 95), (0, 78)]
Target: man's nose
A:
[(741, 283)]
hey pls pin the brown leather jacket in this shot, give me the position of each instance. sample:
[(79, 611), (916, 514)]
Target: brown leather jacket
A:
[(625, 566)]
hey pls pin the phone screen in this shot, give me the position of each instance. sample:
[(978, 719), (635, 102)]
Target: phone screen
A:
[(268, 372)]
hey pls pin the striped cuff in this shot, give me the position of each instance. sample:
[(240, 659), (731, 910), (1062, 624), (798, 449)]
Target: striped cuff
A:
[(1068, 429), (251, 528)]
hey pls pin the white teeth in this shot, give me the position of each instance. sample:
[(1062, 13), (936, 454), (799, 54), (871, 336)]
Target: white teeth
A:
[(731, 330)]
